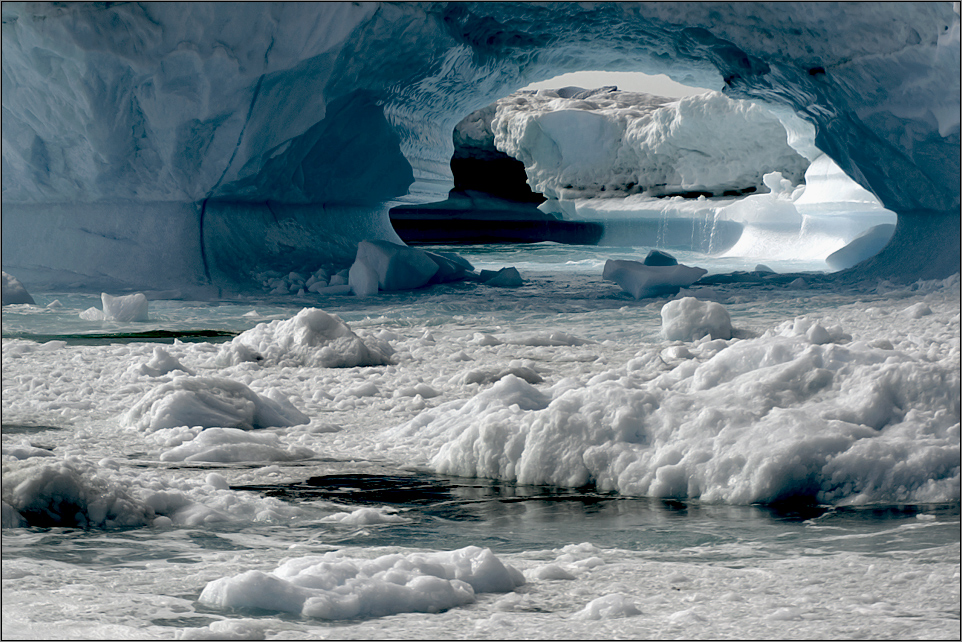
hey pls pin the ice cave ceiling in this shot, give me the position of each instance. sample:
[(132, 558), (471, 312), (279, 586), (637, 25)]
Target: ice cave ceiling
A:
[(304, 120)]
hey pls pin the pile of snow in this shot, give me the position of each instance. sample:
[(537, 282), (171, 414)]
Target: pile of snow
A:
[(801, 412), (616, 143), (160, 364), (13, 292), (311, 338), (689, 319), (132, 307), (74, 493), (211, 402), (336, 587), (642, 281)]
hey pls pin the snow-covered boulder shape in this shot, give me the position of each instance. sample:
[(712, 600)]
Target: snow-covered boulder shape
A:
[(689, 319), (213, 141), (625, 142), (862, 247), (311, 338), (642, 281), (211, 402), (398, 267), (13, 292)]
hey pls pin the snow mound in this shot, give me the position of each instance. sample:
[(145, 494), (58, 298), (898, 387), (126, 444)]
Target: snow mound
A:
[(336, 587), (608, 606), (13, 292), (68, 494), (801, 413), (211, 402), (311, 338), (689, 319), (642, 281)]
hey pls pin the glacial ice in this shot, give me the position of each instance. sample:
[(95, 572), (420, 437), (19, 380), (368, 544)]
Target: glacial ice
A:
[(617, 143), (14, 292), (213, 140)]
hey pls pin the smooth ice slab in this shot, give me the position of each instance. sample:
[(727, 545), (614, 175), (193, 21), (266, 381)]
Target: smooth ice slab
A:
[(642, 281)]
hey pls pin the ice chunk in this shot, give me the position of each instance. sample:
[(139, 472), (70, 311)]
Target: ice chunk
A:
[(210, 402), (657, 257), (451, 267), (398, 267), (863, 247), (311, 338), (642, 281), (508, 277), (362, 278), (229, 445), (336, 587), (689, 319), (13, 292), (160, 364), (132, 307)]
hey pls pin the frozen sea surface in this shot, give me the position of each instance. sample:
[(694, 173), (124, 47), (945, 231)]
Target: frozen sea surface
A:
[(131, 522)]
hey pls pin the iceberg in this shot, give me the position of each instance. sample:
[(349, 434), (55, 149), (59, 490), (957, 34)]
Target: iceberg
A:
[(214, 141)]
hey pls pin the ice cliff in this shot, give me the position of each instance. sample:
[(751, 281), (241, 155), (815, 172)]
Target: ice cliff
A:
[(189, 145)]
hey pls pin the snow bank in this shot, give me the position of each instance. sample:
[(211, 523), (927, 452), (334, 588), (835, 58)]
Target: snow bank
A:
[(642, 281), (311, 338), (13, 292), (337, 587), (211, 402), (799, 413)]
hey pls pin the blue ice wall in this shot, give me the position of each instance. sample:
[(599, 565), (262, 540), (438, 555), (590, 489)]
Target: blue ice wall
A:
[(135, 117)]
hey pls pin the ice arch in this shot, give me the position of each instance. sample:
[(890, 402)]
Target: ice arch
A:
[(179, 144)]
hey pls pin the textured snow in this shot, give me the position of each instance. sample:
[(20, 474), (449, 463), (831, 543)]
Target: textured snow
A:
[(337, 587), (213, 141), (311, 338)]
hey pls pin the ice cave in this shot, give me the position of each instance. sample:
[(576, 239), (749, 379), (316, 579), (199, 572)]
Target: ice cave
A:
[(179, 147)]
